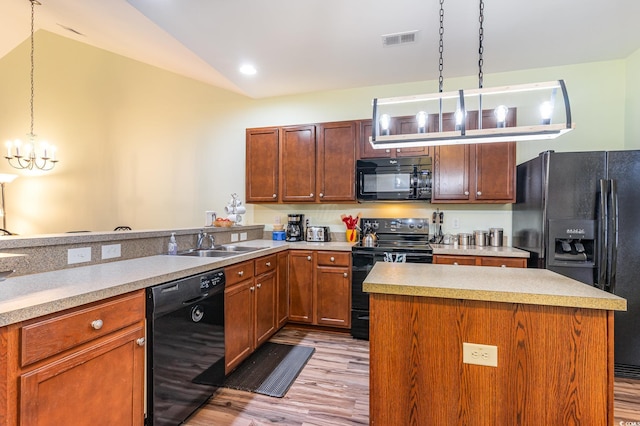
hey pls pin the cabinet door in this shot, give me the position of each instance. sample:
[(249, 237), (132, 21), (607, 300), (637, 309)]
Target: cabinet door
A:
[(99, 385), (336, 162), (297, 164), (282, 302), (238, 323), (301, 286), (365, 148), (333, 297), (451, 173), (265, 307), (495, 172), (262, 165)]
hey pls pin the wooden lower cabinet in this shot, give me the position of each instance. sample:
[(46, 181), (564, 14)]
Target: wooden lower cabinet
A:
[(554, 364), (505, 262), (320, 286), (250, 307), (83, 366)]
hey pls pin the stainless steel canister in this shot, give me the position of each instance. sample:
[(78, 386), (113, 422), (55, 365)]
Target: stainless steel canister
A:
[(495, 235), (481, 238), (464, 239)]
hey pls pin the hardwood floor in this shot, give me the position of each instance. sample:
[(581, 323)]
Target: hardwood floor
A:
[(333, 389)]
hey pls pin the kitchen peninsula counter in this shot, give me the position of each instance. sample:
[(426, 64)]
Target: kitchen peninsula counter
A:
[(553, 339)]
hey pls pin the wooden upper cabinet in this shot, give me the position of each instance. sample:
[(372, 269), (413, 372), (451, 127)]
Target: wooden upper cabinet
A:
[(262, 165), (399, 125), (336, 162), (297, 164), (475, 173)]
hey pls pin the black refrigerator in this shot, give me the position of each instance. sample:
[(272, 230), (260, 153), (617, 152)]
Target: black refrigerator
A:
[(578, 214)]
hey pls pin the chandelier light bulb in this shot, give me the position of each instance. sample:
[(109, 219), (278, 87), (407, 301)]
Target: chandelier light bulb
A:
[(546, 111), (421, 118), (385, 122), (501, 115)]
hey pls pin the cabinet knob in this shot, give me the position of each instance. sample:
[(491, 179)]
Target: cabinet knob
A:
[(252, 288), (398, 150), (311, 195), (387, 151), (503, 266), (258, 285), (268, 264), (240, 273), (333, 259), (345, 275), (466, 192), (140, 341), (308, 257), (455, 263), (321, 195), (274, 196), (97, 324), (479, 193)]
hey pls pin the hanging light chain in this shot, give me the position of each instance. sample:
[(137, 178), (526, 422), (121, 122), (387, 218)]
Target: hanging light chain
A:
[(441, 47), (33, 5), (480, 45)]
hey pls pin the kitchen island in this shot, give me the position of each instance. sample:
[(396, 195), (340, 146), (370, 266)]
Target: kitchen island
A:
[(539, 347)]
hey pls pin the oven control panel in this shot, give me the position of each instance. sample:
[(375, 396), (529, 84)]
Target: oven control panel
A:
[(396, 226)]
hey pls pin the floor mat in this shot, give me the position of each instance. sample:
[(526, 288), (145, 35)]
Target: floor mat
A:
[(270, 370)]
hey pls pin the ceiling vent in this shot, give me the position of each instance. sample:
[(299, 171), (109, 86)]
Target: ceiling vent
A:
[(399, 38)]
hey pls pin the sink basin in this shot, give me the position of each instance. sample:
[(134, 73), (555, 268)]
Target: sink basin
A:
[(206, 253), (233, 248)]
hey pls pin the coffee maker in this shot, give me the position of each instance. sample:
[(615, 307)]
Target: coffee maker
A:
[(295, 227)]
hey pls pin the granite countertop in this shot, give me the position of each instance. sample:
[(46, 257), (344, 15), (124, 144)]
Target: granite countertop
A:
[(459, 250), (510, 285), (29, 296)]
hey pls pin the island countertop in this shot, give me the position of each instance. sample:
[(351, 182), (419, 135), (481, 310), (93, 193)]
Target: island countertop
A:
[(510, 285)]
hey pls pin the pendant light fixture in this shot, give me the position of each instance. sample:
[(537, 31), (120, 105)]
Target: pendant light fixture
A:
[(41, 156), (461, 117)]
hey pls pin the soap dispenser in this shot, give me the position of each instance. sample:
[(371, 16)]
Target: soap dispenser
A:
[(173, 246)]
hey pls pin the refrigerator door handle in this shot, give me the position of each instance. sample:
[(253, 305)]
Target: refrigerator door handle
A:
[(613, 237), (601, 262)]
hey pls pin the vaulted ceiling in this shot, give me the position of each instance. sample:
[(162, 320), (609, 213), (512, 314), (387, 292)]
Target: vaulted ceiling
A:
[(300, 46)]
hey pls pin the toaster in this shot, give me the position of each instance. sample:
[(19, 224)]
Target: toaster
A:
[(318, 233)]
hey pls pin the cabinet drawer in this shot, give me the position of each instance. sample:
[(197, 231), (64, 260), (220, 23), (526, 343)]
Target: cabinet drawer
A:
[(266, 264), (240, 272), (50, 336), (453, 260), (332, 258), (505, 262)]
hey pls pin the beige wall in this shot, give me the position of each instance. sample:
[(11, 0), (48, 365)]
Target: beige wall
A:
[(632, 106), (143, 147)]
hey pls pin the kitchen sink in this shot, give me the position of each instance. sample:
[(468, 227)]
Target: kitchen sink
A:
[(220, 251)]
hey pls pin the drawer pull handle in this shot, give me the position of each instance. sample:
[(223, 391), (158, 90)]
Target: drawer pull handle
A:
[(321, 195), (97, 324), (274, 196), (466, 192), (345, 275), (140, 341), (503, 266), (479, 193), (333, 259), (268, 263), (240, 273), (308, 257), (455, 263), (258, 285)]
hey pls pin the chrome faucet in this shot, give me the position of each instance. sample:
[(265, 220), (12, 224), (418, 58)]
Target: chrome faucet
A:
[(203, 236)]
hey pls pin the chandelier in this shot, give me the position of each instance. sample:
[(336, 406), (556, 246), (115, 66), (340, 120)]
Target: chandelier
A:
[(472, 116), (28, 156)]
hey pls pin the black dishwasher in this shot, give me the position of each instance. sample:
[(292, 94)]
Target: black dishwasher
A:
[(185, 352)]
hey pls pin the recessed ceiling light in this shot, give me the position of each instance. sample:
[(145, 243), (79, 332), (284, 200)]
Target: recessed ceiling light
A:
[(248, 69)]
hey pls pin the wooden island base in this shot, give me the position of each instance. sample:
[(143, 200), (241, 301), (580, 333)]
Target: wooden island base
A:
[(555, 364)]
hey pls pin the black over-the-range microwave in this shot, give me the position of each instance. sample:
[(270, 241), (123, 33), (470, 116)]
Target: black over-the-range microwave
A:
[(394, 179)]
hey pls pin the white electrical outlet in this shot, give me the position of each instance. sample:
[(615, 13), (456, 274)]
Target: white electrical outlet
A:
[(111, 251), (78, 255), (243, 236), (456, 223), (473, 353), (234, 238)]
